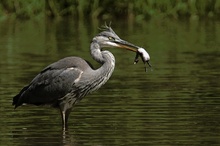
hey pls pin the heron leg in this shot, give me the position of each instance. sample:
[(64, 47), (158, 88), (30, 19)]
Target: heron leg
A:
[(65, 105), (64, 122), (65, 115)]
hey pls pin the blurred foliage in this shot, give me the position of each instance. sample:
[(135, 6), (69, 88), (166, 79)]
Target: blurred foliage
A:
[(104, 9), (22, 8)]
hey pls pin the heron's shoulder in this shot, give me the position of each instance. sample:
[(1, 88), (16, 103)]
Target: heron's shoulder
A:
[(68, 62)]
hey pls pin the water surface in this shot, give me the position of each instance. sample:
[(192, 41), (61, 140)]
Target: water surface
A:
[(175, 104)]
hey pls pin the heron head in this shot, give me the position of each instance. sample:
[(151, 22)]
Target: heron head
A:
[(108, 38)]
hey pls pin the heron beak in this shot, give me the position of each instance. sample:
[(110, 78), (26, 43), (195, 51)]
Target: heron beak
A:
[(126, 45)]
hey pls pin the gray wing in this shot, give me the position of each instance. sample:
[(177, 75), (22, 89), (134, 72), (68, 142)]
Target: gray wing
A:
[(53, 83)]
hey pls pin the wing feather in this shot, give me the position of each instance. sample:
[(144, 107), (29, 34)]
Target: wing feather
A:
[(52, 83)]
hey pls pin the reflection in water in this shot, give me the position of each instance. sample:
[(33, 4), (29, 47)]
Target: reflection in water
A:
[(43, 137), (176, 103)]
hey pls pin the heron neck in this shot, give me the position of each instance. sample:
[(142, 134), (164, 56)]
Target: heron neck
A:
[(96, 53), (102, 74), (108, 63), (106, 58)]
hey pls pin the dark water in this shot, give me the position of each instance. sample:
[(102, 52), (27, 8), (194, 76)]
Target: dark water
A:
[(177, 103)]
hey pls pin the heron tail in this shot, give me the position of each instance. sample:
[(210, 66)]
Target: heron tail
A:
[(16, 100)]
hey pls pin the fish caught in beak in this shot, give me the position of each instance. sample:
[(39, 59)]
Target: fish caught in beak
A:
[(144, 56)]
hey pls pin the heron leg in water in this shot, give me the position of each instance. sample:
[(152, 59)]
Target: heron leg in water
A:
[(65, 115), (65, 105)]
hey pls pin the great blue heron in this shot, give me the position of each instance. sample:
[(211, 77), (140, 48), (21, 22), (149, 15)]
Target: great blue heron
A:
[(64, 83)]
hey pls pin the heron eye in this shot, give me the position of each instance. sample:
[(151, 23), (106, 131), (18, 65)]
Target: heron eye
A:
[(111, 38)]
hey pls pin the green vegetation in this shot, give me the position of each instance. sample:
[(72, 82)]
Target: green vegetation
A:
[(104, 9)]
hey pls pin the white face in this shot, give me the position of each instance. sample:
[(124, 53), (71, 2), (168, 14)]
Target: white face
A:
[(106, 42), (144, 54), (110, 44)]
